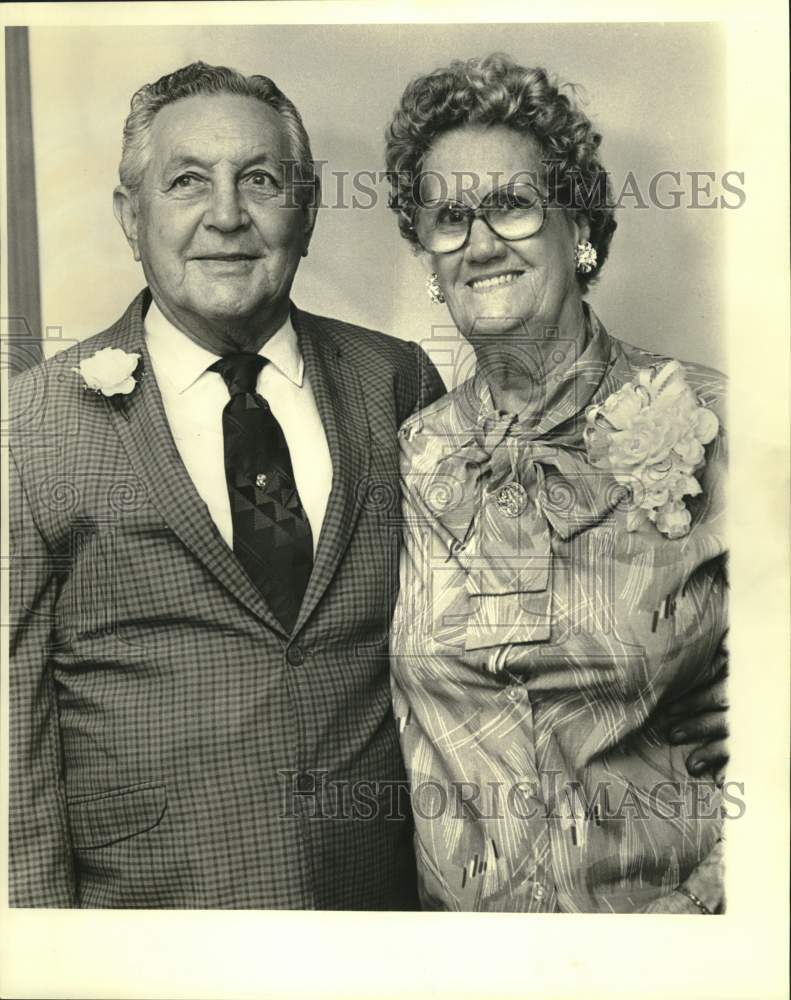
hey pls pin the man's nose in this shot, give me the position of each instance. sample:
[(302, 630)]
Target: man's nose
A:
[(483, 244), (227, 210)]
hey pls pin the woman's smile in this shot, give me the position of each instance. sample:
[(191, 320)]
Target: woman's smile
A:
[(493, 282)]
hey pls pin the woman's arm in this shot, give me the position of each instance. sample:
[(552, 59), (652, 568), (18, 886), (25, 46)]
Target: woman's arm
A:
[(700, 716)]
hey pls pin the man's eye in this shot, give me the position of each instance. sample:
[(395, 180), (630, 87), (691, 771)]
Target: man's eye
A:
[(261, 179), (185, 181)]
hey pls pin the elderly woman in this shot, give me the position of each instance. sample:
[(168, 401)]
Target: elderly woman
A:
[(563, 570)]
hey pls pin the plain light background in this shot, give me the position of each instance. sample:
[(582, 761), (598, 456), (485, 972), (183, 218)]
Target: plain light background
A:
[(655, 91)]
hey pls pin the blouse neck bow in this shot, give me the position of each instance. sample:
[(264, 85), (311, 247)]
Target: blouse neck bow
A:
[(536, 457)]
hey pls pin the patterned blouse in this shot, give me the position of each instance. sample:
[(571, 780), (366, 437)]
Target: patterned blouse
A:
[(535, 640)]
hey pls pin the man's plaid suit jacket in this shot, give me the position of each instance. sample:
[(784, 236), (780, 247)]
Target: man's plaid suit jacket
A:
[(170, 745)]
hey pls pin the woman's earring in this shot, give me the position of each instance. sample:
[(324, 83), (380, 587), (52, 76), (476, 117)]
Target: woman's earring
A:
[(433, 289), (585, 257)]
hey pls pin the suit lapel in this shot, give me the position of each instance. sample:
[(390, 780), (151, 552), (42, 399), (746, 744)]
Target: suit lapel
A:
[(341, 404), (143, 428)]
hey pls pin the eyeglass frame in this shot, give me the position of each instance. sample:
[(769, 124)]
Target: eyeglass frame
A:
[(480, 212)]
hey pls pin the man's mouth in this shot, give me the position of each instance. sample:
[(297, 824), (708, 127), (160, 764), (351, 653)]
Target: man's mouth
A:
[(486, 282), (226, 256)]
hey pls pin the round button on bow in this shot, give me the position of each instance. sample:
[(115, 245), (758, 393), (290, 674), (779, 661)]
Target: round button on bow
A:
[(511, 499)]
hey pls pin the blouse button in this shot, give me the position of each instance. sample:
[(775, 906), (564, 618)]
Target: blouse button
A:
[(538, 892), (514, 693)]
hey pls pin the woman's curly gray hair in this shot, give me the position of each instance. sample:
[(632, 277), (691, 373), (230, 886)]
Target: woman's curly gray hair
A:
[(201, 79), (497, 91)]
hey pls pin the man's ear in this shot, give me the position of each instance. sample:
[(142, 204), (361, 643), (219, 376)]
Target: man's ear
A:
[(125, 210), (310, 210)]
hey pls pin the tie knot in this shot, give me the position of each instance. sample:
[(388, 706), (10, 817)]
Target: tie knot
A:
[(239, 371)]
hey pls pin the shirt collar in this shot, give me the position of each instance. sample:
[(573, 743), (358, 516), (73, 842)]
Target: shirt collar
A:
[(185, 361)]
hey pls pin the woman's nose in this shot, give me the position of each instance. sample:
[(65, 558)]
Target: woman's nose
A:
[(226, 211), (483, 244)]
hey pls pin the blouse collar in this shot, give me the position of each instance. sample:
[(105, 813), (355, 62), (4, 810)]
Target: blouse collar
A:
[(558, 403)]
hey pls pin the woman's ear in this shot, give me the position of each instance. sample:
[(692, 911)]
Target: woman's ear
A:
[(125, 211), (582, 227), (426, 261)]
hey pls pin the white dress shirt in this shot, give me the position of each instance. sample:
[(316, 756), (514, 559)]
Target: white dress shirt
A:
[(194, 399)]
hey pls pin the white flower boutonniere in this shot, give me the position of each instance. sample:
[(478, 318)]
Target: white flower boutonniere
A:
[(650, 434), (109, 372)]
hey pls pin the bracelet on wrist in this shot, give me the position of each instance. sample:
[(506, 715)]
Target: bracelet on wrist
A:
[(693, 898)]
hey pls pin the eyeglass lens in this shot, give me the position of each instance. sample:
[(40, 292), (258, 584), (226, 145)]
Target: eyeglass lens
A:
[(512, 213)]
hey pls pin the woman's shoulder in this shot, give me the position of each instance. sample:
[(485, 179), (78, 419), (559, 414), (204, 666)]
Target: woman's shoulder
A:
[(426, 436), (709, 385)]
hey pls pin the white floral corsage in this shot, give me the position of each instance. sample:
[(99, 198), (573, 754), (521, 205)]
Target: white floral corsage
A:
[(109, 372), (650, 435)]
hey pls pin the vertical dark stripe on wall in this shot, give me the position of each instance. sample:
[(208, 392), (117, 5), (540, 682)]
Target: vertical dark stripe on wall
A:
[(24, 300)]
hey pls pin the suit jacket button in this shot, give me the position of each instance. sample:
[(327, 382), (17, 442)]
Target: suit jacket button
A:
[(295, 656)]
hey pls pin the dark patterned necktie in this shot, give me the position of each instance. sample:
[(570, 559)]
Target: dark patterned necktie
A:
[(271, 534)]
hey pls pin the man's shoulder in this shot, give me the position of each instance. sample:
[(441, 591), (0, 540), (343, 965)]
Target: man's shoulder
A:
[(39, 396), (389, 368), (451, 411), (359, 338), (54, 379)]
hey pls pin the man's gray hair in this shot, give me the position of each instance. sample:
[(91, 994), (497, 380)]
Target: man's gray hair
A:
[(200, 79)]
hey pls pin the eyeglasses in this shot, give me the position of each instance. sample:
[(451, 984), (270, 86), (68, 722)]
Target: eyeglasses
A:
[(514, 212)]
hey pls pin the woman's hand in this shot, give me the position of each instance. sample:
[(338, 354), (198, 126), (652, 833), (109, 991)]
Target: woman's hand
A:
[(703, 892), (700, 716)]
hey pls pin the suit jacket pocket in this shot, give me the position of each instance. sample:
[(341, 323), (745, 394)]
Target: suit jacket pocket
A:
[(100, 820)]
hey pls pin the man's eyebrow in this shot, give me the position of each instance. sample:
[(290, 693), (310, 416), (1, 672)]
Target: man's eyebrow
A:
[(180, 160)]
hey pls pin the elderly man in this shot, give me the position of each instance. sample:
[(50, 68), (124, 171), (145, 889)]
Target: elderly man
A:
[(205, 540)]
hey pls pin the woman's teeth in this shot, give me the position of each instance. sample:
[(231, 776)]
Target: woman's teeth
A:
[(482, 284)]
